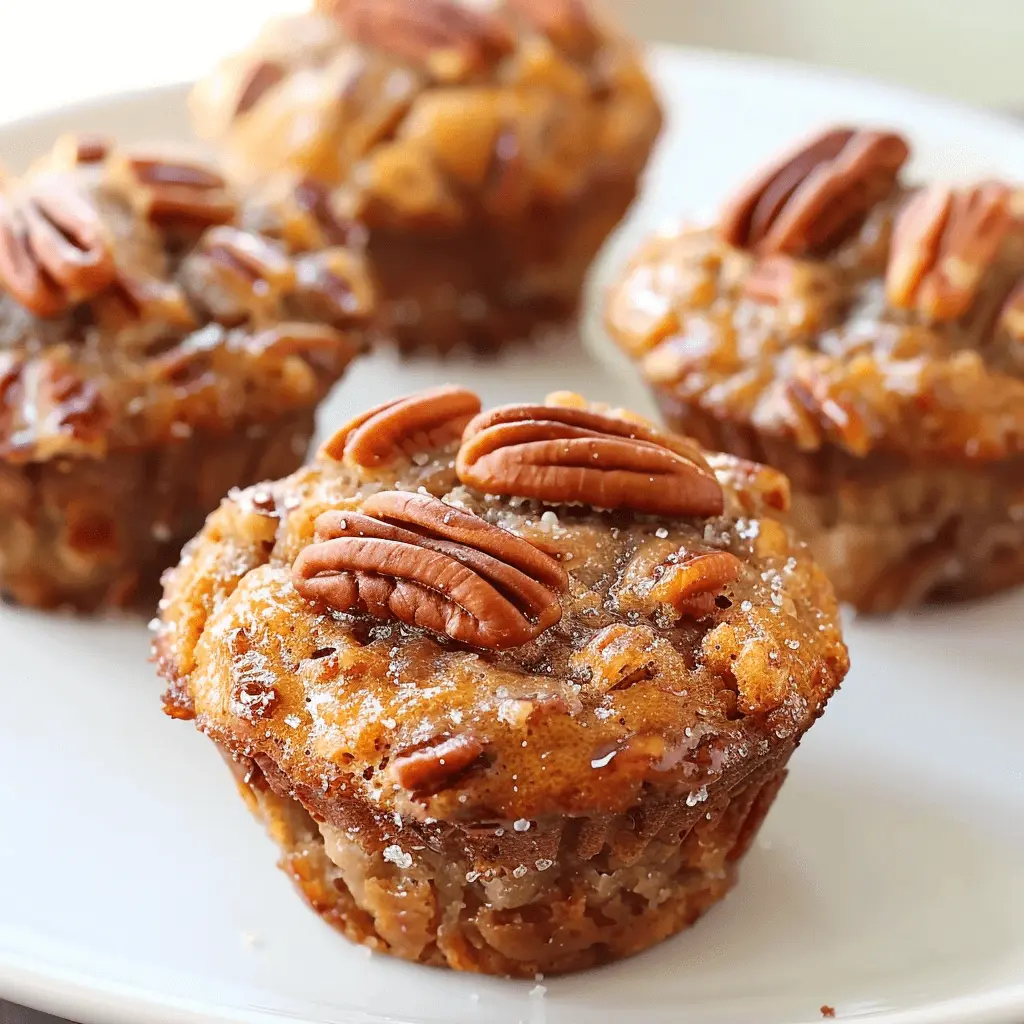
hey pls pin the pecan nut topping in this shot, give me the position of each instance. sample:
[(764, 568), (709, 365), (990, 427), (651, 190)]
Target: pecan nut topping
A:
[(337, 284), (174, 191), (444, 37), (944, 242), (77, 149), (693, 584), (413, 558), (316, 343), (246, 273), (261, 78), (136, 297), (54, 248), (566, 23), (1011, 318), (785, 281), (812, 199), (425, 420), (430, 767), (564, 455)]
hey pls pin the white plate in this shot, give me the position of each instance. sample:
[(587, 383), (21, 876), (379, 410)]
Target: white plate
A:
[(889, 882)]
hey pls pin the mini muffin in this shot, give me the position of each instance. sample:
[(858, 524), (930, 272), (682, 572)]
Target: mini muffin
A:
[(513, 690), (152, 355), (866, 337), (482, 153)]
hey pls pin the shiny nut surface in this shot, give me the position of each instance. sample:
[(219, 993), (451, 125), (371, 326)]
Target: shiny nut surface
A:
[(563, 455), (413, 558), (811, 199)]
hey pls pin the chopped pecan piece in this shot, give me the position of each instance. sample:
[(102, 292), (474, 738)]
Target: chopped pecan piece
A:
[(567, 23), (444, 37), (135, 298), (248, 273), (811, 200), (413, 558), (429, 768), (419, 422), (54, 248), (261, 78), (77, 149), (616, 657), (755, 485), (782, 280), (338, 282), (944, 242), (692, 584), (64, 411), (174, 191), (1012, 315), (300, 339), (563, 455)]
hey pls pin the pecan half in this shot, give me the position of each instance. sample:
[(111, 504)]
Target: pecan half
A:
[(54, 248), (564, 455), (692, 584), (813, 198), (429, 768), (416, 423), (173, 191), (413, 558), (444, 37), (944, 241)]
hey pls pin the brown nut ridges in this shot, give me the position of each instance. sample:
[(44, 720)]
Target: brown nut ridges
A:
[(54, 248), (416, 559), (562, 455), (811, 198)]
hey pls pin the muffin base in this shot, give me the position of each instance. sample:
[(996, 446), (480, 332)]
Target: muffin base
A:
[(89, 534), (614, 888), (889, 532), (481, 289)]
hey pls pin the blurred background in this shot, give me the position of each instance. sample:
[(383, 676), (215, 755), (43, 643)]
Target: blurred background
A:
[(969, 50)]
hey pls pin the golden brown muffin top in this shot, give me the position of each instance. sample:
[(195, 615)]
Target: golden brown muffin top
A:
[(435, 113), (434, 618), (835, 304), (133, 310)]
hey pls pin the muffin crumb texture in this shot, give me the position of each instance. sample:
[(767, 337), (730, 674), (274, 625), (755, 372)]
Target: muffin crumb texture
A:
[(462, 768)]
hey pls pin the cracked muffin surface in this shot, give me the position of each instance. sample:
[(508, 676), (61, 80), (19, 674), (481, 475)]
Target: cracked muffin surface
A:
[(864, 335), (152, 355), (491, 725), (481, 153)]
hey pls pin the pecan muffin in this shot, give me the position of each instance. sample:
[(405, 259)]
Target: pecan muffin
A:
[(152, 355), (482, 154), (512, 690), (865, 336)]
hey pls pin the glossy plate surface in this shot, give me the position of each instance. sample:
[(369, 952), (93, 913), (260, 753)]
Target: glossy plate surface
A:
[(889, 879)]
